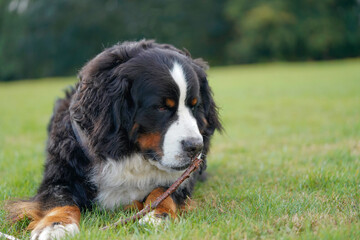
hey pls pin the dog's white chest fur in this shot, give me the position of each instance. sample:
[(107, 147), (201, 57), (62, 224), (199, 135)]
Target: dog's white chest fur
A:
[(121, 182)]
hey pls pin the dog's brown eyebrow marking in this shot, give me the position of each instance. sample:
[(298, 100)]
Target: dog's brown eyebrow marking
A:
[(194, 102), (170, 102)]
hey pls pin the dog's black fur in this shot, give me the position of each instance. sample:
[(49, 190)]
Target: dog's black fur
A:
[(113, 104)]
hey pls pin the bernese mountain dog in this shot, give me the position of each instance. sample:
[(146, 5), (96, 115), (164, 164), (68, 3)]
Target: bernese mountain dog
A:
[(139, 114)]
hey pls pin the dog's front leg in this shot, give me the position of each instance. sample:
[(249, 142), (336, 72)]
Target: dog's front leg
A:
[(55, 223), (164, 210)]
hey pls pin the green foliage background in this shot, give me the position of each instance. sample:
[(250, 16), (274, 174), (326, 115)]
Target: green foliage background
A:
[(54, 38)]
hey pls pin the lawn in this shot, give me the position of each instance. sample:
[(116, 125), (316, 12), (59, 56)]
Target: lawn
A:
[(287, 167)]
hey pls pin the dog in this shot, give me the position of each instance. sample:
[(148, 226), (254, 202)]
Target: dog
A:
[(139, 114)]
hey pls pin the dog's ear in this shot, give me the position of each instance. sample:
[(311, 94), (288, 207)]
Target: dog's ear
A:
[(123, 107), (102, 105), (210, 110), (208, 119)]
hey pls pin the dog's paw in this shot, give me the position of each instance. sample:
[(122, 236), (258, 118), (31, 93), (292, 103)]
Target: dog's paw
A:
[(153, 218), (54, 231)]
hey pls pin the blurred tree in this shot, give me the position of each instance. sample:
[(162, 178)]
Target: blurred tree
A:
[(329, 28), (264, 31), (293, 30), (11, 33), (57, 38), (40, 38)]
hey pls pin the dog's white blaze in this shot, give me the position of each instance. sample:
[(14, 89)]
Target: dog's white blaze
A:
[(133, 178), (183, 128)]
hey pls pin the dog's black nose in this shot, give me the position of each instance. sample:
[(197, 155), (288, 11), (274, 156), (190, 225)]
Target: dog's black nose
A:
[(192, 146)]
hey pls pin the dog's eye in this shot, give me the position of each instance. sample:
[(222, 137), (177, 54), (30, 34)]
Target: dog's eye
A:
[(163, 108)]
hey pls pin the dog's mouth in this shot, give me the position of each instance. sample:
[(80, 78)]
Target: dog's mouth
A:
[(173, 163), (183, 167), (180, 168), (184, 162), (168, 168), (157, 161)]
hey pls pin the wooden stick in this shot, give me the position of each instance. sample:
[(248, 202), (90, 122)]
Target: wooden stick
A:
[(195, 165)]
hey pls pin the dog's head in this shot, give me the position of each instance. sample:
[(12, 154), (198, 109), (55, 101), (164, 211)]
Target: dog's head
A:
[(148, 98)]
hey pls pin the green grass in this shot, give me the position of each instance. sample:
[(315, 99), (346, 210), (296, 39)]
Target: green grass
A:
[(286, 168)]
